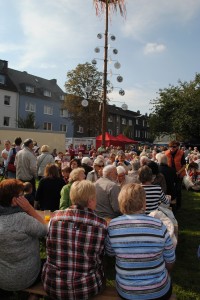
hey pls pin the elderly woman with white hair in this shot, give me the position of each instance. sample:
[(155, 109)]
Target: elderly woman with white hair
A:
[(122, 178), (43, 159)]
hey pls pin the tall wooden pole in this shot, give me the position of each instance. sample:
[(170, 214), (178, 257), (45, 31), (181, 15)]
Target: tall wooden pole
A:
[(104, 100)]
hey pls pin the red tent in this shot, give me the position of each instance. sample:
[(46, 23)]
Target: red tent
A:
[(109, 140), (122, 138)]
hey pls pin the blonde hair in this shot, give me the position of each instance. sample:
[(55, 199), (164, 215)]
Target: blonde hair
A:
[(74, 175), (45, 148), (81, 192), (131, 198)]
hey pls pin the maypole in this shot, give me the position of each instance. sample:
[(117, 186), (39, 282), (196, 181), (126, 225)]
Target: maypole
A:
[(106, 7)]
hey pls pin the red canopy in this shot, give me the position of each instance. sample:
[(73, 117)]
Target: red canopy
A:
[(109, 140), (122, 138)]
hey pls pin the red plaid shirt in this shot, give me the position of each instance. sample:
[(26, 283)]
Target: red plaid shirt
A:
[(75, 249)]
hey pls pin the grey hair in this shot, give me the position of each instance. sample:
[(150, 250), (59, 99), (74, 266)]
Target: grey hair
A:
[(107, 170)]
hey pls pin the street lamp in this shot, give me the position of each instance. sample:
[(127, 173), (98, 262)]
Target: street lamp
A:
[(105, 6)]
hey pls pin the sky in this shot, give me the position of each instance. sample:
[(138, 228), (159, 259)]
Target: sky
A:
[(158, 43)]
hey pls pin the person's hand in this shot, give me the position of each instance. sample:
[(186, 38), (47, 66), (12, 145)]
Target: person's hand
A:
[(22, 202)]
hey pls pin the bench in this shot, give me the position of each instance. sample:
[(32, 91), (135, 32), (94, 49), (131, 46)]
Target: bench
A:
[(108, 294)]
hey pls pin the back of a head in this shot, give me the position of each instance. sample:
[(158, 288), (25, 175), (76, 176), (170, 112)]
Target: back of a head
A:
[(121, 170), (74, 175), (51, 170), (18, 141), (154, 167), (107, 170), (145, 174), (135, 165), (86, 160), (81, 192), (131, 198), (45, 148)]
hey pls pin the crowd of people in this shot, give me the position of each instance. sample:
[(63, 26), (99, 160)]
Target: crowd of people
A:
[(109, 201)]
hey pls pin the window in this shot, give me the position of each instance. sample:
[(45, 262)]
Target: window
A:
[(7, 100), (47, 93), (110, 131), (143, 123), (63, 127), (62, 97), (6, 121), (63, 113), (118, 119), (123, 121), (2, 79), (110, 119), (136, 122), (29, 106), (47, 126), (29, 89), (80, 129), (48, 110), (130, 122), (137, 133), (117, 130)]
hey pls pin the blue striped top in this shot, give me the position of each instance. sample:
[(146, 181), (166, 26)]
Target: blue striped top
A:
[(141, 245)]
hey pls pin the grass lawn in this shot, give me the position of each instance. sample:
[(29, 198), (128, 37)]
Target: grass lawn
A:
[(186, 272)]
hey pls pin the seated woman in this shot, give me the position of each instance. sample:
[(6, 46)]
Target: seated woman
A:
[(154, 193), (142, 247), (75, 247), (20, 230), (75, 175)]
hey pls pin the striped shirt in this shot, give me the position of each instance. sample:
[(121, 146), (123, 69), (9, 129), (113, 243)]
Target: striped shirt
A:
[(142, 246), (154, 196), (75, 249)]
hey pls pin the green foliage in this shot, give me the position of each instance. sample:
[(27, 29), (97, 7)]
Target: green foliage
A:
[(83, 76), (177, 110), (28, 122)]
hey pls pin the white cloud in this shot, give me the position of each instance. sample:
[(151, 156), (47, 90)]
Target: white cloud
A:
[(154, 48), (143, 16)]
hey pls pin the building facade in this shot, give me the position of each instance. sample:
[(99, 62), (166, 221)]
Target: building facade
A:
[(22, 94)]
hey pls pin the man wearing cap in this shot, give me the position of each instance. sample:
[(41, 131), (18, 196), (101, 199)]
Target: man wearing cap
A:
[(96, 173), (176, 160), (26, 164)]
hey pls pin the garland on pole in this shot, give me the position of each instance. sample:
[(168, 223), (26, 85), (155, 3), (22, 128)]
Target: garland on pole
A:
[(113, 5)]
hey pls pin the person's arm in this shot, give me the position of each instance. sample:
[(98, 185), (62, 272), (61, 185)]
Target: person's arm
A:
[(108, 246), (163, 198), (114, 192), (169, 266), (28, 208), (65, 201)]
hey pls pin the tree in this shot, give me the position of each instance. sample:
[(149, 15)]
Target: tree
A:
[(84, 83), (176, 111), (28, 122)]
